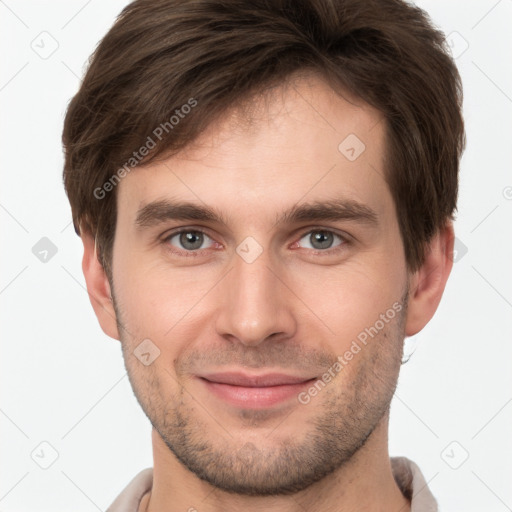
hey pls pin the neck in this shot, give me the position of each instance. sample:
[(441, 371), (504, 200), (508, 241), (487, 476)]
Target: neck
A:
[(365, 482)]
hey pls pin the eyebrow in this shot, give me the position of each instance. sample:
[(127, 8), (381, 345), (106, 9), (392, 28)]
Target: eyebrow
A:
[(159, 211)]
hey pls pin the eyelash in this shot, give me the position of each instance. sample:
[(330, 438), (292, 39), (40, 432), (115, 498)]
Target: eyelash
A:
[(194, 253)]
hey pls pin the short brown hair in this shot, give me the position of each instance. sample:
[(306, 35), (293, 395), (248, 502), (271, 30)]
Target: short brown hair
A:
[(161, 55)]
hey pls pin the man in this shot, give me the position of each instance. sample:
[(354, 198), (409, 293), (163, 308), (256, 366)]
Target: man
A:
[(265, 190)]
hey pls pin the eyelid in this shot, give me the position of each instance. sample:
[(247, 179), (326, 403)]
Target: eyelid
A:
[(341, 234), (185, 229), (346, 239)]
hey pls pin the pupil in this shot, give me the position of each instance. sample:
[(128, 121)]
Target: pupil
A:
[(321, 239), (191, 240)]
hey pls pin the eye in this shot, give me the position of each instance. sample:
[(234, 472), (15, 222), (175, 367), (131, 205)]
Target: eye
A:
[(188, 240), (321, 239)]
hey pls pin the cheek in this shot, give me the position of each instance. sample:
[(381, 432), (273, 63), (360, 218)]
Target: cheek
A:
[(350, 298), (159, 302)]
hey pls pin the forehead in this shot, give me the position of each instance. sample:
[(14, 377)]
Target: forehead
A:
[(304, 100), (300, 140)]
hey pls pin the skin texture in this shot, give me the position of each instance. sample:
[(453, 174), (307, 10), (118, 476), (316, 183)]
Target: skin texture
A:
[(294, 309)]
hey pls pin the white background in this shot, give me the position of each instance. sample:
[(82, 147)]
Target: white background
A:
[(63, 381)]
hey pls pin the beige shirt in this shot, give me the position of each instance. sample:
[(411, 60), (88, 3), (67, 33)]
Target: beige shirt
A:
[(407, 475)]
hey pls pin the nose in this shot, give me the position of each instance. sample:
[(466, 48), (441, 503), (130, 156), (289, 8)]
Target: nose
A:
[(255, 303)]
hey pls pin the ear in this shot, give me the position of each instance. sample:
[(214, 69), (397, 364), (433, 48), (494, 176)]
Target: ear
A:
[(98, 287), (427, 284)]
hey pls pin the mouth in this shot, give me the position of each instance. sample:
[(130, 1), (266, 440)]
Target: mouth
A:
[(255, 391)]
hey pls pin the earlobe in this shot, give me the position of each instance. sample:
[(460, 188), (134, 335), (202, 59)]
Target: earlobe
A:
[(98, 287), (427, 284)]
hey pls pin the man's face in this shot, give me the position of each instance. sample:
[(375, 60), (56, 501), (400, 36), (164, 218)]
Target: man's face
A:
[(257, 293)]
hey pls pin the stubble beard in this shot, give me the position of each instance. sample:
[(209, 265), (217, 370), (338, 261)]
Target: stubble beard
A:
[(329, 440)]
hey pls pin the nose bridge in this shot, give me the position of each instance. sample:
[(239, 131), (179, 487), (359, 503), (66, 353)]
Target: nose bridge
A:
[(254, 304)]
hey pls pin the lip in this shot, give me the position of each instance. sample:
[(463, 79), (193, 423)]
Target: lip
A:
[(254, 391), (254, 381)]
